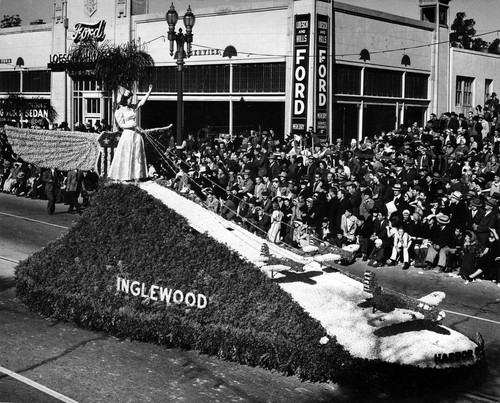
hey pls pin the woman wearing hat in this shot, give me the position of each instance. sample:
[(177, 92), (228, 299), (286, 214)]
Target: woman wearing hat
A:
[(488, 261), (470, 251)]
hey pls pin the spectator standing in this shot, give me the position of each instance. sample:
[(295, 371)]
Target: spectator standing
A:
[(274, 231), (73, 181), (52, 180)]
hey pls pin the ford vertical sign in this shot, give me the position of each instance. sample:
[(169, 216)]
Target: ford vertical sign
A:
[(322, 76), (300, 72)]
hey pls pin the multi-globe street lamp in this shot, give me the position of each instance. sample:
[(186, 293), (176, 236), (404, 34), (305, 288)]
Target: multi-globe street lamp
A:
[(180, 38)]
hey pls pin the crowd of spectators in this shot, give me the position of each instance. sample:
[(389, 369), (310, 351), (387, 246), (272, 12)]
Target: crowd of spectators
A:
[(422, 196), (426, 197)]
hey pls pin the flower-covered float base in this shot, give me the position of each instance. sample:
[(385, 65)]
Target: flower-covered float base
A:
[(338, 302), (148, 264)]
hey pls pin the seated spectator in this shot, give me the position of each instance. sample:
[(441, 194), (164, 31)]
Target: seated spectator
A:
[(376, 258), (262, 223), (400, 249), (348, 225), (440, 240)]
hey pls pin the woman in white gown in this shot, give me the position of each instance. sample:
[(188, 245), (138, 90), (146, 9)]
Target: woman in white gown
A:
[(129, 160)]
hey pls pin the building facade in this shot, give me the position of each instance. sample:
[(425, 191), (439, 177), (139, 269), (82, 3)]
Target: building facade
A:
[(348, 71)]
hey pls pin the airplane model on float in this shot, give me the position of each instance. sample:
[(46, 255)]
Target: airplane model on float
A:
[(388, 300)]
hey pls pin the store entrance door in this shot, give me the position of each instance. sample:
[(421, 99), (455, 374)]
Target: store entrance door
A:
[(92, 107)]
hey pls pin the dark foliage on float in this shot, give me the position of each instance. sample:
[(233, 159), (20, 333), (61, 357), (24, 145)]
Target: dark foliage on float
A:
[(249, 319)]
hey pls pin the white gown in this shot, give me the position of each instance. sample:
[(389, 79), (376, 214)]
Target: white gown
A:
[(129, 160)]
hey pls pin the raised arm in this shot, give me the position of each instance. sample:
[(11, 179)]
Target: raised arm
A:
[(145, 97)]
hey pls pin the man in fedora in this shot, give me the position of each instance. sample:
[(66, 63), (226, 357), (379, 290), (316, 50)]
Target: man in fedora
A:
[(458, 211), (248, 183), (274, 166), (487, 221), (440, 240)]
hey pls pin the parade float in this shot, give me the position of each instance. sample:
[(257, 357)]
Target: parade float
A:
[(148, 264)]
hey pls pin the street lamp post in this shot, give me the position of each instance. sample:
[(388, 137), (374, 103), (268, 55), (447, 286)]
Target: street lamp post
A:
[(180, 39)]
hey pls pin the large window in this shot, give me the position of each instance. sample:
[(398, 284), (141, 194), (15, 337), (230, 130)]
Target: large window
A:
[(213, 78), (347, 80), (36, 81), (416, 85), (382, 83), (463, 94), (10, 81), (488, 88), (262, 77)]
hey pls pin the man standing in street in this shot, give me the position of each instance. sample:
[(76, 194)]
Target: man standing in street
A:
[(73, 189), (51, 178)]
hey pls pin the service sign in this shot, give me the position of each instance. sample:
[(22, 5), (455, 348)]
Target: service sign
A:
[(302, 29)]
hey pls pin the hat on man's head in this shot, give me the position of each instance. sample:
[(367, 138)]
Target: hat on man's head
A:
[(489, 203), (443, 219), (456, 195), (396, 186), (470, 194), (246, 172), (282, 174), (476, 203)]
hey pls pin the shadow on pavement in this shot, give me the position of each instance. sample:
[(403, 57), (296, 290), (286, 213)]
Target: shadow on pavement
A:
[(292, 277), (6, 283)]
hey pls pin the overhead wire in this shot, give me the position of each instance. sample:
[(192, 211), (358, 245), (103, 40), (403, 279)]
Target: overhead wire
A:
[(404, 48)]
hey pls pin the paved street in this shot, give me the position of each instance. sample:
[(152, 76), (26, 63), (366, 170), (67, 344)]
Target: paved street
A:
[(84, 366)]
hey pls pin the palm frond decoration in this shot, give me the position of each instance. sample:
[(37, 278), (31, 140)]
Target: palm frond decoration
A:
[(115, 65)]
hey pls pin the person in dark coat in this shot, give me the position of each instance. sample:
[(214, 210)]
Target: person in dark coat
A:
[(377, 255), (470, 252), (440, 239), (458, 211), (73, 182), (52, 179), (343, 204), (488, 221)]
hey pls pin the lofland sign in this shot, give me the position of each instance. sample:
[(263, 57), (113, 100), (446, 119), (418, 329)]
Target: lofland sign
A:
[(83, 32)]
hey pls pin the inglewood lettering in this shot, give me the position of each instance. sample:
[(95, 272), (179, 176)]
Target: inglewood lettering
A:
[(162, 294)]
